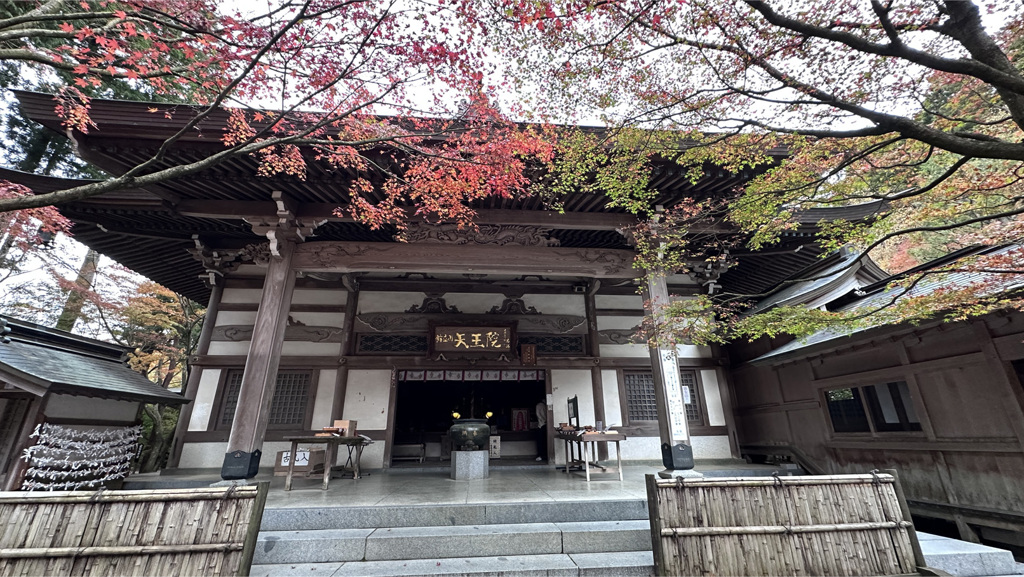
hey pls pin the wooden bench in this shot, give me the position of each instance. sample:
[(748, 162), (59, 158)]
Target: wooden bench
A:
[(409, 452)]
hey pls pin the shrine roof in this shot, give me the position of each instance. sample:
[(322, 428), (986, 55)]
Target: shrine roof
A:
[(879, 294), (41, 359)]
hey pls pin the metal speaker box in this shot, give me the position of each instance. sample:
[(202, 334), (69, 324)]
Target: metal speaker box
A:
[(240, 465), (678, 457)]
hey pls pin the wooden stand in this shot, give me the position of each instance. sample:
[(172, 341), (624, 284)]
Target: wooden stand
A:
[(579, 447), (355, 452)]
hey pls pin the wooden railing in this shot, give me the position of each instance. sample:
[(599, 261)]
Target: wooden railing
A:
[(815, 525), (203, 531)]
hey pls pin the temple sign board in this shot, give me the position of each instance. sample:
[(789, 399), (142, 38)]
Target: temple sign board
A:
[(674, 396), (493, 339)]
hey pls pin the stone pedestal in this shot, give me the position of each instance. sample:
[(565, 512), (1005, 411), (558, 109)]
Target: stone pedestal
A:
[(684, 473), (469, 465)]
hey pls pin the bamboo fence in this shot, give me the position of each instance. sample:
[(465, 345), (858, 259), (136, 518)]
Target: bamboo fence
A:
[(204, 531), (842, 525)]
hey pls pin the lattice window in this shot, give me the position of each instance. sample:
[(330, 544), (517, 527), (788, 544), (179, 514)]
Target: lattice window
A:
[(555, 344), (289, 406), (694, 415), (392, 344), (640, 403)]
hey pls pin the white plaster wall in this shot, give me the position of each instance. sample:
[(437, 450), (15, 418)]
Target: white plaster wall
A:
[(574, 304), (612, 403), (649, 448), (625, 324), (307, 349), (211, 455), (373, 456), (310, 296), (472, 303), (202, 455), (75, 407), (387, 302), (203, 405), (241, 295), (693, 351), (617, 322), (301, 296), (225, 318), (248, 318), (366, 398), (641, 449), (630, 351), (518, 448), (319, 319), (713, 447), (619, 302), (713, 397), (289, 349), (229, 348), (566, 384), (323, 405)]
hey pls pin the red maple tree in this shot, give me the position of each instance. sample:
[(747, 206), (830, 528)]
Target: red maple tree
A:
[(337, 77)]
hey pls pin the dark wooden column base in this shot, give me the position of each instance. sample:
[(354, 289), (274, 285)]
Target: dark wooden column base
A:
[(240, 465)]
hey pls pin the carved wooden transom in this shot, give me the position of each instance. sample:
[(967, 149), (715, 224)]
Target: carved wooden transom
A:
[(484, 234)]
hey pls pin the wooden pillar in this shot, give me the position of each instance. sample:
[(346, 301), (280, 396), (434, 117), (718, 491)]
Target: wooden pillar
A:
[(347, 347), (726, 392), (194, 374), (259, 378), (34, 416), (677, 454), (595, 372)]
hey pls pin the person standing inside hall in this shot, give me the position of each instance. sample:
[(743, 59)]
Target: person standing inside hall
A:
[(542, 431)]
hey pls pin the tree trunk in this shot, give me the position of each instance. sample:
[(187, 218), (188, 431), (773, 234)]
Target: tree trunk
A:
[(73, 305), (157, 439)]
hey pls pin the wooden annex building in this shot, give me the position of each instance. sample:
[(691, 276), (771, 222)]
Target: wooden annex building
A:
[(53, 377), (341, 318)]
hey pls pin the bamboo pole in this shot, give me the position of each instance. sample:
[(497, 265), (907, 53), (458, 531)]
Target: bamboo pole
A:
[(253, 527), (779, 529), (20, 498), (915, 544), (119, 550), (654, 517), (784, 481)]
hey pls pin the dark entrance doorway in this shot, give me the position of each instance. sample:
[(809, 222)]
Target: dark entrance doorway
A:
[(424, 407)]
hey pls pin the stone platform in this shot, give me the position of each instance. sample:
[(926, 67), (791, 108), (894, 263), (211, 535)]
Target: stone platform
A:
[(470, 465)]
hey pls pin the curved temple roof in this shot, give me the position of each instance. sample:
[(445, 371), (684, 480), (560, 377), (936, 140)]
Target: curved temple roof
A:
[(150, 230)]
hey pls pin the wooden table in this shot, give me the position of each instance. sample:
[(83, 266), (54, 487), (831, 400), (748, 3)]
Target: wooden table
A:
[(577, 449), (355, 452)]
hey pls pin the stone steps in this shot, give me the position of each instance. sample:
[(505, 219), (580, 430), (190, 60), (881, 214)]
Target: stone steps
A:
[(571, 538), (618, 564), (299, 519), (585, 538), (409, 543)]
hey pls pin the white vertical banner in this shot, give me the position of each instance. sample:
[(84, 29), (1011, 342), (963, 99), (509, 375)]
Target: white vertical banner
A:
[(674, 397)]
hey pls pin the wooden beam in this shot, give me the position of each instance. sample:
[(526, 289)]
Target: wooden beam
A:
[(239, 210), (481, 259), (900, 371), (1006, 445)]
